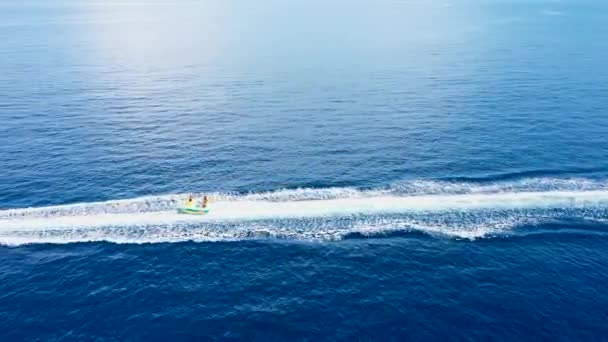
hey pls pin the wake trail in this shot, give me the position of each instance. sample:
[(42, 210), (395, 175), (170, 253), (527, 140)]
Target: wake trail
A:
[(457, 209)]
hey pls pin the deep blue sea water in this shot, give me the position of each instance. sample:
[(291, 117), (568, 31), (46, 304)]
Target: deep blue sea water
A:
[(387, 170)]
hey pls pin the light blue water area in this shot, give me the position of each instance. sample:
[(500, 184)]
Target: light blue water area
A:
[(406, 169)]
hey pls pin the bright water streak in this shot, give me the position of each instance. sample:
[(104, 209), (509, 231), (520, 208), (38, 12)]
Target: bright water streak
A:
[(306, 214)]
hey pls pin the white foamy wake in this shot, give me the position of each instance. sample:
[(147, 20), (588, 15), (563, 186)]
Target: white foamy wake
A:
[(454, 209)]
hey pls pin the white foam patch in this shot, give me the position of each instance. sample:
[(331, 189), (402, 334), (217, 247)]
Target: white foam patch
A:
[(462, 210)]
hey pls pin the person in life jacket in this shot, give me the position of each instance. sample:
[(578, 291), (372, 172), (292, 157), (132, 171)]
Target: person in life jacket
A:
[(190, 202)]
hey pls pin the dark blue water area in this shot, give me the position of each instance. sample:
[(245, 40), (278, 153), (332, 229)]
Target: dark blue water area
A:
[(486, 100), (400, 288)]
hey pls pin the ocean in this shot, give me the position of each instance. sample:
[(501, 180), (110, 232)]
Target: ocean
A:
[(387, 170)]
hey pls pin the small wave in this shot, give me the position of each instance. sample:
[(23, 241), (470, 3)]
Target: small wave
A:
[(456, 209), (552, 12)]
